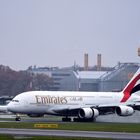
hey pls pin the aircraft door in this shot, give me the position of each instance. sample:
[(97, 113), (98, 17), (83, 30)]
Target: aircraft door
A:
[(26, 103)]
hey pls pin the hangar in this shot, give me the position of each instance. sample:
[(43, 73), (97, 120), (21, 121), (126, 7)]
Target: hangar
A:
[(69, 79)]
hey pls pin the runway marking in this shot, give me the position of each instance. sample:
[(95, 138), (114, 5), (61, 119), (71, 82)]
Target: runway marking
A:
[(45, 125)]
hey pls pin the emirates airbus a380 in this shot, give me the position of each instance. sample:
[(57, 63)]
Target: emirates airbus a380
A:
[(84, 106)]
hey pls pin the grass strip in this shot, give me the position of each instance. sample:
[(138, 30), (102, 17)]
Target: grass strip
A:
[(111, 127), (10, 137)]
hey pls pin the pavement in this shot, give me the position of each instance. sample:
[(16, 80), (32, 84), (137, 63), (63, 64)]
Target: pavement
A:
[(93, 134), (67, 133), (135, 118)]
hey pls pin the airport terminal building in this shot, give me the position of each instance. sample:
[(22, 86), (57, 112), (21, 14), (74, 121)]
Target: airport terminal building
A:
[(69, 79), (76, 80)]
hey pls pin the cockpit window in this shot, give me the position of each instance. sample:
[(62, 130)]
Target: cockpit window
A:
[(15, 101)]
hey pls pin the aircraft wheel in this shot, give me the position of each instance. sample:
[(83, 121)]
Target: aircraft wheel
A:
[(84, 120), (66, 119), (17, 119)]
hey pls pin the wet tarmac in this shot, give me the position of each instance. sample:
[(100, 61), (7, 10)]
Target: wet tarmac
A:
[(135, 118)]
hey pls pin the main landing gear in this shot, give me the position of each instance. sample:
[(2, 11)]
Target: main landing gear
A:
[(84, 120), (66, 119), (18, 118)]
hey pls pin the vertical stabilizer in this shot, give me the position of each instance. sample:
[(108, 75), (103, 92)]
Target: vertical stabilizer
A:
[(132, 87)]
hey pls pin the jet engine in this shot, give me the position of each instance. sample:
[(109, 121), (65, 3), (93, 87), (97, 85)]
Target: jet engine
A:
[(88, 113), (124, 110)]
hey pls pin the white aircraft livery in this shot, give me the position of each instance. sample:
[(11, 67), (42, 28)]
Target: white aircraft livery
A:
[(84, 106)]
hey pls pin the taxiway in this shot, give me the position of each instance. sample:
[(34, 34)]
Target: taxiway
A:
[(68, 133)]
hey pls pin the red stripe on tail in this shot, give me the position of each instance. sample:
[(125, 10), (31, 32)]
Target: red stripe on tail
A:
[(128, 89)]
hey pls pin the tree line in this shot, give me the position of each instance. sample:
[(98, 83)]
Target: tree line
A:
[(15, 82)]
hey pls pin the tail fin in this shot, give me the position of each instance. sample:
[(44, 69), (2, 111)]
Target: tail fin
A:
[(132, 87)]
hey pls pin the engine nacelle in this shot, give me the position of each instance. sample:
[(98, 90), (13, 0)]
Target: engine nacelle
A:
[(124, 110), (88, 113)]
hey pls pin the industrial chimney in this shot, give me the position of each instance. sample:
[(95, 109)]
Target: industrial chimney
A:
[(138, 51), (86, 62), (99, 59)]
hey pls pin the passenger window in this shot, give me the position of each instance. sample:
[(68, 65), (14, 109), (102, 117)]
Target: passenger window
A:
[(15, 101)]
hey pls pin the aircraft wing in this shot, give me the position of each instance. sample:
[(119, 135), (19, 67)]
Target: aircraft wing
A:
[(106, 108), (103, 109), (70, 111), (73, 111)]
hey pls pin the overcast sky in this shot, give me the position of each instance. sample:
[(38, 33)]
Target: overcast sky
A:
[(59, 32)]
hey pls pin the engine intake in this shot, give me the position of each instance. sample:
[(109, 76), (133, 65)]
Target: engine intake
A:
[(124, 110), (88, 113)]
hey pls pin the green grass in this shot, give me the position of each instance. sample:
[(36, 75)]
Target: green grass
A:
[(9, 137), (112, 127), (6, 137)]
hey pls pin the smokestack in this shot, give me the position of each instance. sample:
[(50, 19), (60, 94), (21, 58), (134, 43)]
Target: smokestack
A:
[(85, 61), (99, 59), (139, 52)]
